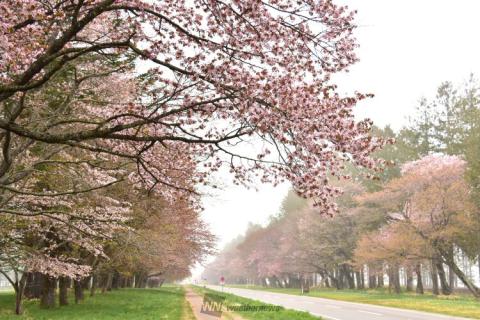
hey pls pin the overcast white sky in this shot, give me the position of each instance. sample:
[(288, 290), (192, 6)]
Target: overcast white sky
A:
[(407, 48)]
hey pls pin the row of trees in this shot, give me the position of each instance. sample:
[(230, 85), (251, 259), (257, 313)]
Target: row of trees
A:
[(72, 214), (416, 224), (114, 112)]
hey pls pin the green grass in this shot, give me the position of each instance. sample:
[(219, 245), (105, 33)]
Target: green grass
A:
[(455, 305), (281, 314), (145, 304)]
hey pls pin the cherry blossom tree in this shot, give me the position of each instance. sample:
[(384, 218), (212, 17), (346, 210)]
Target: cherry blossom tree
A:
[(432, 200), (392, 247), (153, 97), (167, 242), (217, 74)]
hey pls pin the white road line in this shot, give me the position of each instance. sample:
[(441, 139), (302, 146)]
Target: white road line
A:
[(377, 314), (323, 316)]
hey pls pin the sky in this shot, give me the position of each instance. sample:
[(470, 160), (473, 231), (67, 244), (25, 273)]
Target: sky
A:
[(407, 48)]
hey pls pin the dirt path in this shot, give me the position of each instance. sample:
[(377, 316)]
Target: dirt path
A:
[(196, 302)]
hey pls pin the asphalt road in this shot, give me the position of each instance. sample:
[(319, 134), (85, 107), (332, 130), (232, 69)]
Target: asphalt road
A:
[(333, 309)]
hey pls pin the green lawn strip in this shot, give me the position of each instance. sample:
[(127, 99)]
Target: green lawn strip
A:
[(145, 304), (455, 305), (280, 314)]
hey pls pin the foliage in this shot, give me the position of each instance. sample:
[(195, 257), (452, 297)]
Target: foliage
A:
[(210, 83)]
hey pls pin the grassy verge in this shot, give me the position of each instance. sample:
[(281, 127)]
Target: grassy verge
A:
[(455, 305), (280, 314), (133, 304)]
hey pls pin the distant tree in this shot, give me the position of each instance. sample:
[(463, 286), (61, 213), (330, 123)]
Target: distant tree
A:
[(443, 124), (432, 199)]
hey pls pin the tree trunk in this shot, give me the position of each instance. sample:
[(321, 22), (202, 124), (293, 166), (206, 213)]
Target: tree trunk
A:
[(362, 277), (418, 271), (63, 284), (326, 279), (94, 284), (335, 281), (19, 292), (33, 286), (351, 280), (394, 279), (348, 276), (116, 280), (28, 292), (304, 285), (103, 279), (358, 276), (18, 301), (409, 273), (380, 282), (443, 278), (339, 278), (86, 283), (47, 299), (451, 273), (451, 278), (78, 288), (107, 285), (459, 273), (141, 280), (435, 290), (161, 282)]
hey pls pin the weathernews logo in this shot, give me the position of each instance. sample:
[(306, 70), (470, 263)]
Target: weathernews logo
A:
[(214, 304)]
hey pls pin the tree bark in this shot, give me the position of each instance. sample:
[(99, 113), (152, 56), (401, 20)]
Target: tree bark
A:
[(18, 301), (94, 284), (102, 280), (86, 283), (338, 278), (63, 284), (348, 275), (28, 292), (116, 280), (445, 288), (304, 285), (33, 286), (418, 271), (380, 282), (450, 261), (47, 299), (362, 273), (451, 278), (358, 276), (409, 273), (161, 282), (19, 292), (326, 279), (394, 279), (141, 280), (107, 282), (434, 274), (78, 289)]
